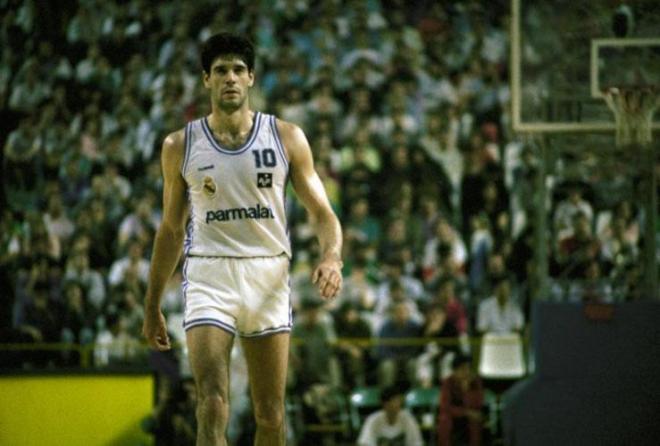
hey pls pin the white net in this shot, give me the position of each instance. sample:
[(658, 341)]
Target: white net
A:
[(633, 113)]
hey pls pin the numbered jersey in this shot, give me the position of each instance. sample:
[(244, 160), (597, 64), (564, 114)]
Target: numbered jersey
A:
[(236, 196)]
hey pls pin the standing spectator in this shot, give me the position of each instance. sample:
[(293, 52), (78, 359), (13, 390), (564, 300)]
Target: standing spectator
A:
[(392, 425), (499, 314), (461, 400)]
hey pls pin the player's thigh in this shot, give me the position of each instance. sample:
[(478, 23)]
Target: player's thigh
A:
[(267, 360), (209, 350)]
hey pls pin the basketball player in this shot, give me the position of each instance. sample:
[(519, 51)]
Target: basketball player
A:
[(228, 171)]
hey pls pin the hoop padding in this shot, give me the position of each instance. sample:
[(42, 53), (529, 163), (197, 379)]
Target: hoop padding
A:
[(633, 109)]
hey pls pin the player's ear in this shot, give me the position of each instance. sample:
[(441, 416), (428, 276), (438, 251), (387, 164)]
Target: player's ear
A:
[(251, 75), (205, 79)]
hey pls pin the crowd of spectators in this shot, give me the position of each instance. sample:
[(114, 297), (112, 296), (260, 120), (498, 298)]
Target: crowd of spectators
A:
[(406, 109)]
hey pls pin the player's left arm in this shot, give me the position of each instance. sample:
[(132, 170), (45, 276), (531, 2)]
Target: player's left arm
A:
[(310, 191)]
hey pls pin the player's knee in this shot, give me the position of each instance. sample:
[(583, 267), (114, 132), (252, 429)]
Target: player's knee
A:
[(213, 408), (269, 414)]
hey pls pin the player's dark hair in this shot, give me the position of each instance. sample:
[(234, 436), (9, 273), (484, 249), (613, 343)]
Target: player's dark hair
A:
[(224, 44)]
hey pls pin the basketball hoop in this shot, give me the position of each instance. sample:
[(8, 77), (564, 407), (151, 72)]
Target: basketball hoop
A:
[(633, 109)]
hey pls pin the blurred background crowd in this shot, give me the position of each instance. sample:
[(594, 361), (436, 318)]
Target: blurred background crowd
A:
[(406, 106)]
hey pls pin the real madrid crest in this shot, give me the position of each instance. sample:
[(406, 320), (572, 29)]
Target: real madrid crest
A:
[(208, 186)]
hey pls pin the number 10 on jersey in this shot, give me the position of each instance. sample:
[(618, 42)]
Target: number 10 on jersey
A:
[(265, 157)]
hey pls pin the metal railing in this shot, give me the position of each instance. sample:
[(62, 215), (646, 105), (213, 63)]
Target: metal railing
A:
[(85, 352)]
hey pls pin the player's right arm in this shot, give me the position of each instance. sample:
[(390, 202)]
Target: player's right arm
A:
[(168, 242)]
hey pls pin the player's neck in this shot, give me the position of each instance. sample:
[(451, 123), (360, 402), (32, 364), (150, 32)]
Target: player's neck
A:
[(234, 122)]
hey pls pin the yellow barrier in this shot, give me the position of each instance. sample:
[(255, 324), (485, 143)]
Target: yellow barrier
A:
[(84, 410)]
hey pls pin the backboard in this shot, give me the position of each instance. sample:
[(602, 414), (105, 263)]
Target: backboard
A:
[(565, 52)]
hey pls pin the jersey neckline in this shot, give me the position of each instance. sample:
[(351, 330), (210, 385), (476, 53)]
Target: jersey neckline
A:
[(220, 148)]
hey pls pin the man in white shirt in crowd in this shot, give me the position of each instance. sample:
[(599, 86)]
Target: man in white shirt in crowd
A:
[(499, 314), (392, 425)]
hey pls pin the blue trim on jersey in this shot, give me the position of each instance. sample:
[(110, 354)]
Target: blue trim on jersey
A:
[(268, 331), (278, 140), (216, 145), (209, 321), (186, 152), (185, 284), (290, 306), (284, 203), (190, 227)]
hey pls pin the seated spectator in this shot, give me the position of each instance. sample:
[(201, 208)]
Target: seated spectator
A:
[(392, 425), (499, 314), (114, 345), (173, 419), (397, 240), (623, 211), (41, 320), (313, 360), (618, 248), (133, 264), (21, 160), (361, 150), (395, 272), (461, 401), (353, 357), (77, 317), (360, 226), (454, 309), (445, 236), (566, 210), (592, 288), (432, 363), (397, 362), (481, 245), (56, 221), (396, 293), (357, 289), (78, 269), (429, 206), (141, 223), (41, 323), (128, 304), (77, 322), (578, 250)]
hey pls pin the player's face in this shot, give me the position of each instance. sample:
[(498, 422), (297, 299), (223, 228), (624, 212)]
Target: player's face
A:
[(229, 82)]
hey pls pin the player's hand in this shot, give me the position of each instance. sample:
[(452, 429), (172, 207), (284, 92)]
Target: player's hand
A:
[(154, 329), (327, 276)]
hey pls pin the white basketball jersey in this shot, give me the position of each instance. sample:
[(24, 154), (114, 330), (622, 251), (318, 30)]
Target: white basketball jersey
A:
[(236, 195)]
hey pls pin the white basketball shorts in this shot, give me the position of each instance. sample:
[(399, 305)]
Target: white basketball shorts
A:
[(245, 296)]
